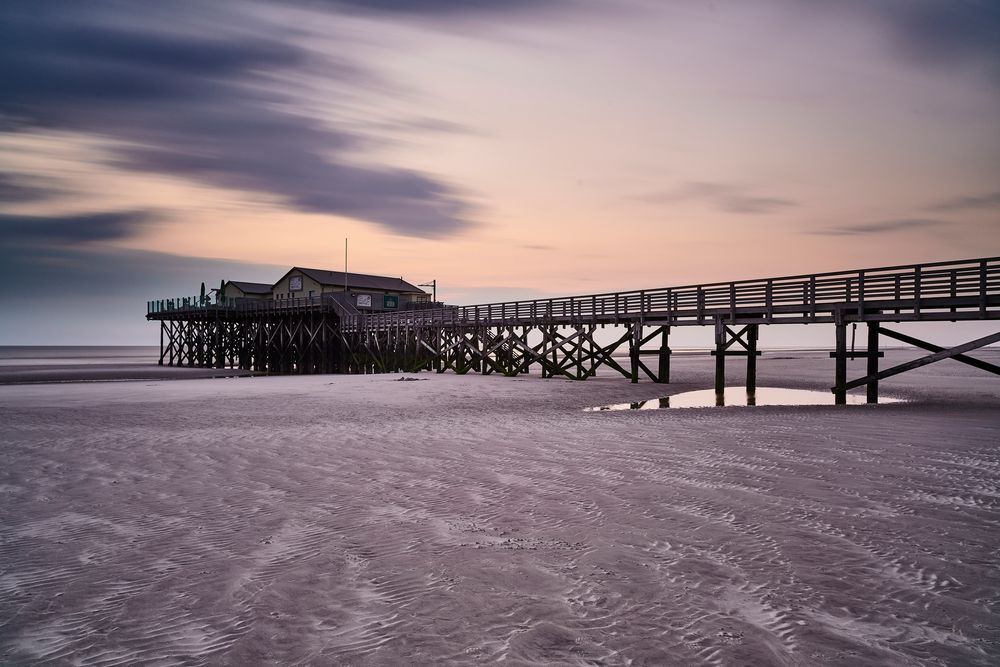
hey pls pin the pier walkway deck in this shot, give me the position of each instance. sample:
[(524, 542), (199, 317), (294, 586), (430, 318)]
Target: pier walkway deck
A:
[(320, 334)]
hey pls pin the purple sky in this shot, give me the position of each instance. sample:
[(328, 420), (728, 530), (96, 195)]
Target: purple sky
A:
[(507, 149)]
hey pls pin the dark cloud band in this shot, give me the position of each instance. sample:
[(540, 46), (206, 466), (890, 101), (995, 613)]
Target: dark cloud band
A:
[(202, 98)]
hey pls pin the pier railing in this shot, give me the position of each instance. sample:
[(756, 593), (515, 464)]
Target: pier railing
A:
[(964, 289)]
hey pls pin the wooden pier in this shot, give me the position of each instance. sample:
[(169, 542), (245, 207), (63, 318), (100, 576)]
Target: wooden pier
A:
[(558, 336)]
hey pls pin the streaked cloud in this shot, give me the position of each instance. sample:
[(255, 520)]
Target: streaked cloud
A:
[(438, 7), (968, 203), (46, 231), (726, 197), (930, 32), (19, 188), (205, 98), (884, 227)]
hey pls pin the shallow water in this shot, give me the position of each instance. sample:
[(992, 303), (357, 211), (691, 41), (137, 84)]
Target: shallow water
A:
[(738, 396)]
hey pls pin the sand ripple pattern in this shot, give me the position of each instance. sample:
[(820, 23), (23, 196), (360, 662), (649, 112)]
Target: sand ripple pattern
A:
[(301, 526)]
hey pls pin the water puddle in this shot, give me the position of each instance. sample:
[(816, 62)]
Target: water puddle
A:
[(737, 396)]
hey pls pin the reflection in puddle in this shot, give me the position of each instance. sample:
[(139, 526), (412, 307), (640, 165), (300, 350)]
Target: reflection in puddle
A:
[(707, 398)]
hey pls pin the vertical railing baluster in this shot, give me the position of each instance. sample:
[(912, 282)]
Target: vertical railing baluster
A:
[(982, 288), (769, 300), (732, 302), (812, 297), (861, 293)]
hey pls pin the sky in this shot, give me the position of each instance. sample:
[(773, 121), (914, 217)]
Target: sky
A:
[(506, 148)]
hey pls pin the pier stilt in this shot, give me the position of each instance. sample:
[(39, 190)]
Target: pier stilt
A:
[(720, 357), (663, 370), (751, 345), (840, 372), (873, 328), (635, 344)]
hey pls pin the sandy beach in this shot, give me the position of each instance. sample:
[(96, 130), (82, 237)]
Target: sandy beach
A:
[(468, 519)]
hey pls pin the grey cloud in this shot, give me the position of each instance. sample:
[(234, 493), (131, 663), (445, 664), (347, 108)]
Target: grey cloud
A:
[(436, 7), (55, 291), (883, 227), (72, 229), (198, 97), (724, 196), (19, 188), (932, 32), (968, 203)]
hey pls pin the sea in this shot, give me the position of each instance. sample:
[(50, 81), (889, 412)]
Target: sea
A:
[(31, 364)]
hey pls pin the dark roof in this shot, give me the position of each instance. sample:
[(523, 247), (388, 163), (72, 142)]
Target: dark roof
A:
[(250, 288), (359, 280)]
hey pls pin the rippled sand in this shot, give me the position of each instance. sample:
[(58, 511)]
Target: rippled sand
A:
[(361, 520)]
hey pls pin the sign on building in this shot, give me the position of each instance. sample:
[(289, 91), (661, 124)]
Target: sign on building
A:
[(390, 302), (295, 284), (364, 301)]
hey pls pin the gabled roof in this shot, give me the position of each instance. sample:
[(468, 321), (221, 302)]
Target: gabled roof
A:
[(250, 288), (357, 280)]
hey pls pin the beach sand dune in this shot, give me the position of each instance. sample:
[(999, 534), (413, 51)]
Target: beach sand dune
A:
[(362, 520)]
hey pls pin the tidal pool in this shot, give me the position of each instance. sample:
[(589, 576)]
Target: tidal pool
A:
[(738, 396)]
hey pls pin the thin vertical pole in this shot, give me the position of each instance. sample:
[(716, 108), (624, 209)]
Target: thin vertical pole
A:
[(751, 359), (840, 374), (634, 346), (873, 361), (163, 324), (345, 267), (720, 357)]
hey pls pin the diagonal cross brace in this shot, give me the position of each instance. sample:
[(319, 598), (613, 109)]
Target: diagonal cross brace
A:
[(930, 347), (922, 361)]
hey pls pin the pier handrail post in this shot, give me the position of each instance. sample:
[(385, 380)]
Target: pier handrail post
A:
[(769, 299), (732, 302), (861, 293), (982, 288), (812, 296)]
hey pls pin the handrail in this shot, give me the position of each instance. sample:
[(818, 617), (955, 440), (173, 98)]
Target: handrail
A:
[(914, 282)]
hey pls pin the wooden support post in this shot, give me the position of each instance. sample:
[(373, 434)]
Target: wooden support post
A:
[(720, 357), (840, 372), (872, 396), (751, 345), (663, 371), (163, 325), (633, 350)]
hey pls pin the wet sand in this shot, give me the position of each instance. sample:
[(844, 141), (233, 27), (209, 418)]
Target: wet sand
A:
[(465, 519)]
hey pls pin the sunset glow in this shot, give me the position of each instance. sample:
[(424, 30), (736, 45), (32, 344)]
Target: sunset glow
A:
[(506, 149)]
